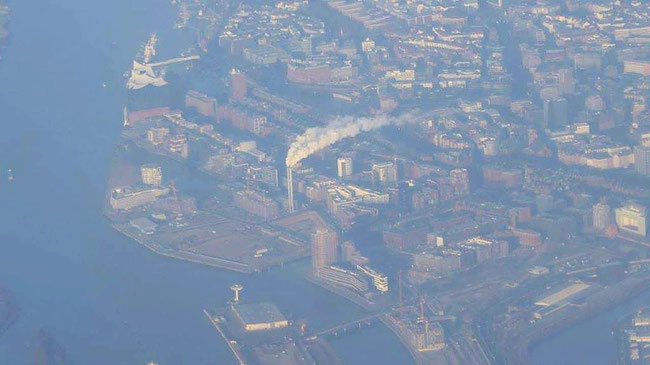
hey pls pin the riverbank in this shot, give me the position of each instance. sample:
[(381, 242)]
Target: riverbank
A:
[(341, 291), (186, 255), (607, 299)]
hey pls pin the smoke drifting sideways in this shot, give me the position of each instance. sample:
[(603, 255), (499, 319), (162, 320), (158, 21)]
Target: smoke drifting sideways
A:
[(317, 138)]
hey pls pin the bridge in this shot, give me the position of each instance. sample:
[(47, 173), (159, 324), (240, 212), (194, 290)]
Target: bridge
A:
[(366, 319), (347, 325)]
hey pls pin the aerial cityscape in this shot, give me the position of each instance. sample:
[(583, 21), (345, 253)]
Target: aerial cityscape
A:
[(327, 182)]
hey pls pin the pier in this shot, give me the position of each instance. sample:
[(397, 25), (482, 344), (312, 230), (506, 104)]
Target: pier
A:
[(233, 345)]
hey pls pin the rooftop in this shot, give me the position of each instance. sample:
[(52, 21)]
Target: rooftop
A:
[(252, 313)]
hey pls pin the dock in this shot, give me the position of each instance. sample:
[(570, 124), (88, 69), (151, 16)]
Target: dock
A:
[(232, 344)]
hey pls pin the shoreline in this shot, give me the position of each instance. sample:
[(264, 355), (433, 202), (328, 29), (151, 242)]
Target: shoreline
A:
[(415, 355), (341, 292), (560, 324), (188, 256)]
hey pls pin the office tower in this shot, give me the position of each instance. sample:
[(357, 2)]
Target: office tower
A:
[(238, 87), (601, 216), (642, 160), (151, 175), (632, 218), (324, 249), (344, 165)]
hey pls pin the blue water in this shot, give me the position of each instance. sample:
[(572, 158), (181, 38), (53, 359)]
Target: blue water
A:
[(588, 342), (104, 299)]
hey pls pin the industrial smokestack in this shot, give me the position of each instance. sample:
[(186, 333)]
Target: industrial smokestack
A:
[(317, 138), (291, 205)]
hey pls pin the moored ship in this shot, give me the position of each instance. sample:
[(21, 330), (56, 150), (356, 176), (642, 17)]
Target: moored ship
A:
[(148, 92)]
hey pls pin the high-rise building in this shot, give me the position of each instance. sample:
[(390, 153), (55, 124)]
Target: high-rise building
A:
[(151, 175), (385, 172), (602, 216), (344, 165), (238, 87), (406, 189), (460, 181), (556, 113), (324, 248), (632, 218), (642, 160)]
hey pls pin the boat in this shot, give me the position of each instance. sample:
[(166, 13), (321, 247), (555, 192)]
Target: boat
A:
[(150, 48)]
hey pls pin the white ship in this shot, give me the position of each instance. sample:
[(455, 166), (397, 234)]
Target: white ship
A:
[(150, 49)]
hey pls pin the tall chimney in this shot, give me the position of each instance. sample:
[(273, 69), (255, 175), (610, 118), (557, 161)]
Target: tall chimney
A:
[(291, 205)]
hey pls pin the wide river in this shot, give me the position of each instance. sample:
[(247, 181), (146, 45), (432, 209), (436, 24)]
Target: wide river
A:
[(103, 298)]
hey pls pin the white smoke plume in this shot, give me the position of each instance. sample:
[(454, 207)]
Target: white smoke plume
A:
[(317, 138)]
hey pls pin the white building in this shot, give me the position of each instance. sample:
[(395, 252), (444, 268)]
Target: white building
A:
[(344, 165)]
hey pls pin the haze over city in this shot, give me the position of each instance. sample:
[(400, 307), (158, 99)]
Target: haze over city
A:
[(325, 182)]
